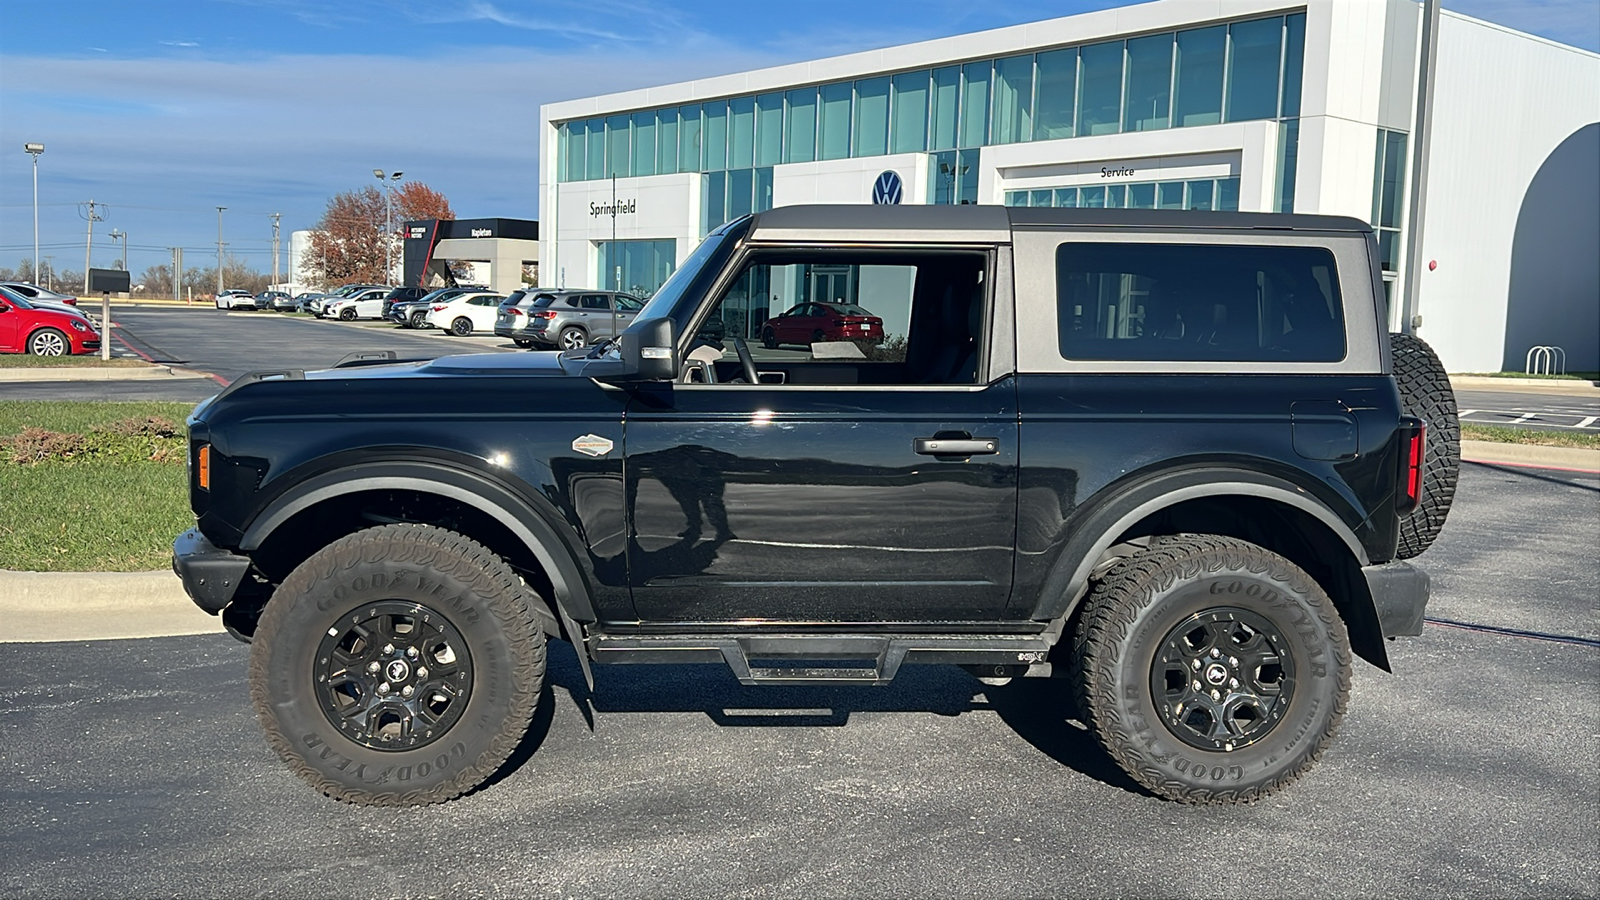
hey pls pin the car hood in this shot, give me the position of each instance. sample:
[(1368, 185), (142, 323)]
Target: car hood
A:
[(518, 364)]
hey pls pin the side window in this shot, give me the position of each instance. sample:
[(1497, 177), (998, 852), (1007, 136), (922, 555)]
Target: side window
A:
[(844, 316), (629, 304), (1198, 302), (596, 301)]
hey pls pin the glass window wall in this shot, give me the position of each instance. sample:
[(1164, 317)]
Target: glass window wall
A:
[(1013, 100), (769, 129), (834, 141), (1057, 76), (802, 126), (909, 129), (872, 117), (637, 267), (1210, 194), (1149, 95), (975, 104), (943, 114), (1254, 64), (1237, 71), (1201, 54), (1100, 89)]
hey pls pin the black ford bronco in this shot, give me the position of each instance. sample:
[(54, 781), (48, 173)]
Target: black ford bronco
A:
[(1173, 457)]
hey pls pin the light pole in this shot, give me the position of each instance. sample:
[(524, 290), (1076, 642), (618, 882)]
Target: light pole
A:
[(219, 249), (34, 150), (116, 235), (388, 222)]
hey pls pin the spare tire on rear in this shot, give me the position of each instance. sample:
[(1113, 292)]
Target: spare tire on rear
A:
[(1425, 393)]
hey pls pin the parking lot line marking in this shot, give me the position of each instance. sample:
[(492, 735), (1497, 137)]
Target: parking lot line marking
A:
[(1587, 422), (1520, 465), (1525, 417), (1466, 412)]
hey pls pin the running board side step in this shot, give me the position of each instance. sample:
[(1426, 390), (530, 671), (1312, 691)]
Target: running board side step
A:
[(844, 659)]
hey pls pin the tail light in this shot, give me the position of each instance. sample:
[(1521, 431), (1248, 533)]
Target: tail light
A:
[(437, 308), (544, 314), (1413, 445), (838, 322), (70, 301), (514, 311)]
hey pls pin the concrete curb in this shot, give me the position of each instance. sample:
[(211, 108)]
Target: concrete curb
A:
[(1573, 386), (1531, 455), (97, 606), (94, 373)]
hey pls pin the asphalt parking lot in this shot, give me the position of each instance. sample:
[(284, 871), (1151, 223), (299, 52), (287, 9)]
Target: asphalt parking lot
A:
[(136, 768)]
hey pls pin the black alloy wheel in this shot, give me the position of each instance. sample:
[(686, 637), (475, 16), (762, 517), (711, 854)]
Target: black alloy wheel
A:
[(348, 314), (418, 320), (461, 327), (1210, 669), (398, 666), (769, 339)]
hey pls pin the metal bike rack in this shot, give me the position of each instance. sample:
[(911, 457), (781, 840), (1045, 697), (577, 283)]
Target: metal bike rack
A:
[(1545, 360)]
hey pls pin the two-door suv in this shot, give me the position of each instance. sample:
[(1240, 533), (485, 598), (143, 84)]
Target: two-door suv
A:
[(1174, 457)]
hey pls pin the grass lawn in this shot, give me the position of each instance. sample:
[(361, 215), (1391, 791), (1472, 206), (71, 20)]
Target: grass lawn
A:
[(29, 361), (112, 514), (1538, 437)]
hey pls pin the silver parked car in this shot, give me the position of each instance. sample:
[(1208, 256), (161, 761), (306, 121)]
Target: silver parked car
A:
[(565, 319)]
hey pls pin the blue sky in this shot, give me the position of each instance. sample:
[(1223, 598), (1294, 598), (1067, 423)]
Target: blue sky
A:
[(166, 109)]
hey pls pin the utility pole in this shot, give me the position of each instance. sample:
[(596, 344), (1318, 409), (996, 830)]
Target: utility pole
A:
[(88, 247), (275, 218), (177, 272), (219, 249)]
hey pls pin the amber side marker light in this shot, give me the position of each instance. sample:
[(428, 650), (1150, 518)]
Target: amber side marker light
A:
[(202, 467)]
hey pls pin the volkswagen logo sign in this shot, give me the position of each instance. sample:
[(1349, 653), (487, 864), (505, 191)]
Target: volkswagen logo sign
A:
[(887, 189)]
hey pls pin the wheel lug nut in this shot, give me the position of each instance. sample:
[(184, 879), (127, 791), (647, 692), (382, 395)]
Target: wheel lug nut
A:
[(1196, 664), (412, 652), (1233, 682), (388, 648), (383, 688), (1233, 661), (373, 667), (1216, 695), (407, 691), (1214, 652), (1197, 685), (422, 671)]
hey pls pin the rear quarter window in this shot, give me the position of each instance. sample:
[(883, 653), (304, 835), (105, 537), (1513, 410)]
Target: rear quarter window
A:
[(1198, 302)]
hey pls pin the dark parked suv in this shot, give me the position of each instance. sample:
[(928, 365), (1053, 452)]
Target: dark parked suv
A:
[(1172, 457)]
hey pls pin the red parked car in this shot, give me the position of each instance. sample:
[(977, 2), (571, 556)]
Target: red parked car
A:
[(25, 328), (811, 323)]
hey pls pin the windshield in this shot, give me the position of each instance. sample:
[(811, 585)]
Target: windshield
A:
[(14, 298)]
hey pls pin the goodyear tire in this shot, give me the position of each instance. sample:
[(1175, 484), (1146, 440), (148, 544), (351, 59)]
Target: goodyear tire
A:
[(1425, 393), (1211, 670), (398, 666)]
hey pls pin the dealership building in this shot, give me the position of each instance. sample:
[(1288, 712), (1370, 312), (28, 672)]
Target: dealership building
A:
[(1242, 105)]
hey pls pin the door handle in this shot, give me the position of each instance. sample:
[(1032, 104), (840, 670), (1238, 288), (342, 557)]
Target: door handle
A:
[(936, 446)]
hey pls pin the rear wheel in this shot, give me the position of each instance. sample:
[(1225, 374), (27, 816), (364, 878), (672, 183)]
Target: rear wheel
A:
[(49, 342), (398, 666), (1425, 393), (461, 327), (572, 337), (1210, 669), (769, 339)]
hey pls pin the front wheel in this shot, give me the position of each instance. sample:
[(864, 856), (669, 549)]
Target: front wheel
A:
[(419, 320), (49, 342), (398, 666), (347, 315), (461, 327), (1210, 669)]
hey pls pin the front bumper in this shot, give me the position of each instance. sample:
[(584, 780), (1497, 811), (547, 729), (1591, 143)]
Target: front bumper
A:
[(210, 574), (1400, 596)]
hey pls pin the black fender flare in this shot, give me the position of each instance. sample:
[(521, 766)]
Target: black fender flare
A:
[(520, 515), (1068, 582)]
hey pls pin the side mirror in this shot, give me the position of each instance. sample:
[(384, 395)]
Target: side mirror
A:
[(650, 350)]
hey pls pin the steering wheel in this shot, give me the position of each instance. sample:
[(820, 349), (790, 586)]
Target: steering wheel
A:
[(746, 362)]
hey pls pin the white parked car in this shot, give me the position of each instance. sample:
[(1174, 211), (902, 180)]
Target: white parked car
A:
[(365, 304), (467, 313)]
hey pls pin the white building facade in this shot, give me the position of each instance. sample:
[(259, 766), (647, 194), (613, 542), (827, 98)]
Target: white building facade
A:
[(1242, 105)]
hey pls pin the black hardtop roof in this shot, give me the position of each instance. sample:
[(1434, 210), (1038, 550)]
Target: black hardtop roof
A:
[(970, 220)]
